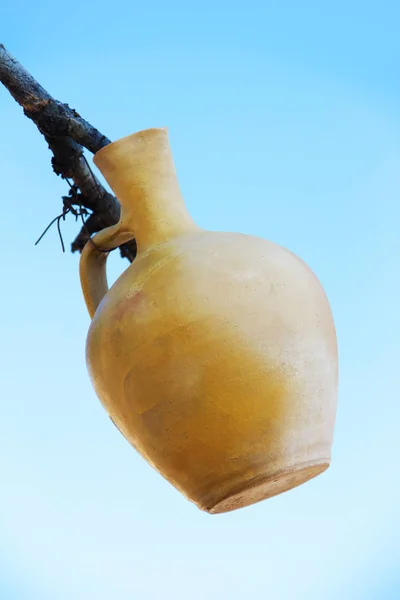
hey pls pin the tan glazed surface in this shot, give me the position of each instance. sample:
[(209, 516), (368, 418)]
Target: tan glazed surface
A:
[(214, 353)]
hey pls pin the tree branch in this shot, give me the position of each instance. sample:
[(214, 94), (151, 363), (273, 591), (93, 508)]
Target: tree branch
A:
[(66, 133)]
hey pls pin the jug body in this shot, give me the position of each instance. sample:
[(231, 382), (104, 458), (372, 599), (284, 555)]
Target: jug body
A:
[(215, 355)]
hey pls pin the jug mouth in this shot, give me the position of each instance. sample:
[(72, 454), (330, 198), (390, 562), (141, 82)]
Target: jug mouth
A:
[(143, 133)]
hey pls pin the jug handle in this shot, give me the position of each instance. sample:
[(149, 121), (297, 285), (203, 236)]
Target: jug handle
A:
[(92, 265)]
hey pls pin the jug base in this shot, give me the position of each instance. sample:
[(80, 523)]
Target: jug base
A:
[(263, 487)]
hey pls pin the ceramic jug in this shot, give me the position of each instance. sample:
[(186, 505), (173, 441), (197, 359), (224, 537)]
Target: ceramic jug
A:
[(214, 353)]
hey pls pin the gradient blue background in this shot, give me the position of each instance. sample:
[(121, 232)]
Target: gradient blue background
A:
[(284, 120)]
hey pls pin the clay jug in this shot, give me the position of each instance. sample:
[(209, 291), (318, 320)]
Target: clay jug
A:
[(214, 353)]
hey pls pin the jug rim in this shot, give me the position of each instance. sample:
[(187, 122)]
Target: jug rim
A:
[(124, 139)]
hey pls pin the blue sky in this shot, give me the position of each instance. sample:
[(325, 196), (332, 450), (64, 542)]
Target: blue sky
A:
[(284, 121)]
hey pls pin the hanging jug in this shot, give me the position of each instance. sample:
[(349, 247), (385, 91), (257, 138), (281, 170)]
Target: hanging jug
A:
[(214, 353)]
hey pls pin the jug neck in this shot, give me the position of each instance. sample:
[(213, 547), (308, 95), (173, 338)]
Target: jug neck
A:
[(140, 170)]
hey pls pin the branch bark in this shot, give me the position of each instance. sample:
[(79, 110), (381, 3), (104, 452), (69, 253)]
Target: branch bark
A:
[(66, 133)]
